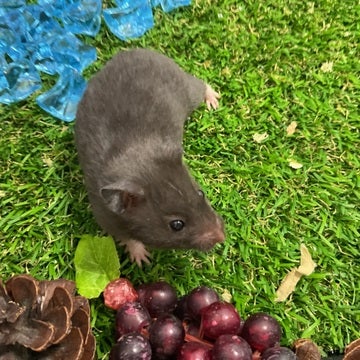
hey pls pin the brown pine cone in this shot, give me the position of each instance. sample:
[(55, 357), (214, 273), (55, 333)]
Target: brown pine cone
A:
[(44, 320), (352, 351), (305, 349)]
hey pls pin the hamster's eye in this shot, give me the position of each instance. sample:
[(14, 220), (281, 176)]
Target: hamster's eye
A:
[(177, 225), (201, 193)]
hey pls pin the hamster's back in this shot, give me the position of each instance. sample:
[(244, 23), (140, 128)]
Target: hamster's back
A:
[(138, 94)]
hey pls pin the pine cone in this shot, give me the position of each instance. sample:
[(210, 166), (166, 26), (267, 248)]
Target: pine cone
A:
[(44, 320), (352, 351), (306, 349)]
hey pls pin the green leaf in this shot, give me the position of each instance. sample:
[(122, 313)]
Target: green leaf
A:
[(96, 264)]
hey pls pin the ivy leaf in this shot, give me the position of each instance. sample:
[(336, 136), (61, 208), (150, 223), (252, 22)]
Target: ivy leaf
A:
[(96, 264)]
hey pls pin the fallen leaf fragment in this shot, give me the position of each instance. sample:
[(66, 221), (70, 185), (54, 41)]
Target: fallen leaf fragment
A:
[(307, 265), (47, 161), (291, 128), (295, 165), (306, 349), (327, 66), (287, 286), (352, 351), (226, 295), (260, 137)]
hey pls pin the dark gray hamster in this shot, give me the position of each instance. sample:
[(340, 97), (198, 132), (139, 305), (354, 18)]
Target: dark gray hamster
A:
[(128, 132)]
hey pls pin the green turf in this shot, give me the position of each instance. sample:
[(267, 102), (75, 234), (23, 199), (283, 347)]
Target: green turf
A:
[(269, 60)]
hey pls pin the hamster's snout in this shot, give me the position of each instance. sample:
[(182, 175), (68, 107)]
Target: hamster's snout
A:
[(213, 234)]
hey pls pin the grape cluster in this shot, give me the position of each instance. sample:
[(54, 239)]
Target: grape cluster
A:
[(153, 323)]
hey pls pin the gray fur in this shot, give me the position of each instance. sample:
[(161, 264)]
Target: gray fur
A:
[(128, 131)]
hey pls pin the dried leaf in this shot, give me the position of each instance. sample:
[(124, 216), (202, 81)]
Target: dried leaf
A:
[(260, 137), (291, 128), (47, 161), (288, 285), (327, 66), (295, 165), (289, 282), (226, 295), (311, 8), (307, 265)]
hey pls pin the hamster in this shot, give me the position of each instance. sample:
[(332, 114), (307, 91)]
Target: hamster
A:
[(128, 134)]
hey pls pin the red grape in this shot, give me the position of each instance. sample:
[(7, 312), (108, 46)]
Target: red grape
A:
[(231, 347), (219, 318), (194, 351), (278, 353), (131, 317), (166, 335), (132, 346), (198, 299), (118, 292), (261, 331), (158, 298)]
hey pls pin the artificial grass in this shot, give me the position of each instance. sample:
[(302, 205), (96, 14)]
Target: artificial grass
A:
[(274, 61)]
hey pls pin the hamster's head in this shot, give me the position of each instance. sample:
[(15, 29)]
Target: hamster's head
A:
[(165, 209)]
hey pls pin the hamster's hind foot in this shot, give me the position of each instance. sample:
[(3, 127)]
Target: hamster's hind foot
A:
[(137, 251), (211, 97)]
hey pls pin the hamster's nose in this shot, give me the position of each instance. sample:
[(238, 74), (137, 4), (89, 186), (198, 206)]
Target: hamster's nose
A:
[(221, 230), (216, 232), (219, 235)]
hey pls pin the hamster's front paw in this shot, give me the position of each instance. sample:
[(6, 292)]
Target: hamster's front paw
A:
[(137, 251), (211, 97)]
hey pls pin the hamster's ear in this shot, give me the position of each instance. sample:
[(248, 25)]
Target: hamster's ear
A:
[(122, 196)]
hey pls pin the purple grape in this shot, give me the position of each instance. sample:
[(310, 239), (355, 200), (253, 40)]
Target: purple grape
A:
[(198, 299), (242, 322), (219, 318), (158, 298), (261, 331), (231, 347), (166, 335), (131, 346), (192, 328), (278, 353), (181, 310), (194, 351), (131, 317)]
